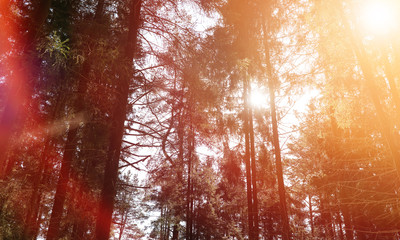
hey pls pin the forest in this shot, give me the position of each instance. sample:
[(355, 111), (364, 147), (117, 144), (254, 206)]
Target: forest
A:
[(199, 119)]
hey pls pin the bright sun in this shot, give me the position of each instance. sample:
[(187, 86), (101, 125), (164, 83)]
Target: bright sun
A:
[(378, 16), (258, 98)]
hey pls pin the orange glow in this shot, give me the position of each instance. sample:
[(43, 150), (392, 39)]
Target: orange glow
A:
[(14, 67)]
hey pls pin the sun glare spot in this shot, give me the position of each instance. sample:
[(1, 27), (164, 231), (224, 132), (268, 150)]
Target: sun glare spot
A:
[(378, 17), (258, 98)]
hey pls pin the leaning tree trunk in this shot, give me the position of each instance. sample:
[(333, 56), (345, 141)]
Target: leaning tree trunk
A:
[(107, 198)]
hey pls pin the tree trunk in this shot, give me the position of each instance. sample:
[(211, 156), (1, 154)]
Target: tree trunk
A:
[(326, 217), (62, 185), (39, 180), (278, 162), (247, 160), (348, 226), (34, 202), (310, 211), (253, 173), (107, 198), (340, 223), (277, 149), (70, 147), (189, 199), (175, 232), (189, 196)]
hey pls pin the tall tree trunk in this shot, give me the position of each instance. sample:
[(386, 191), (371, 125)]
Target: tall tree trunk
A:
[(175, 232), (62, 185), (326, 219), (70, 146), (34, 202), (169, 226), (340, 223), (180, 133), (247, 160), (310, 212), (253, 173), (278, 163), (40, 179), (275, 133), (189, 197), (189, 216), (107, 198), (348, 226), (34, 216), (162, 216)]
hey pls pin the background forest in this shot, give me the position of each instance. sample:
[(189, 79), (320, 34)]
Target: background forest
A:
[(199, 119)]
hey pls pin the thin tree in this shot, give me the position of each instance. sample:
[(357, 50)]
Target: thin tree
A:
[(253, 172), (70, 147), (247, 160), (272, 81)]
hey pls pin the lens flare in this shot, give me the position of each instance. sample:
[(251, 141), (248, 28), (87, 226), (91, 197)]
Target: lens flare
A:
[(378, 17), (258, 98)]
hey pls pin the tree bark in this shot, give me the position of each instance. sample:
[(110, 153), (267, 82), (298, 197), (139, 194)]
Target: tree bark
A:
[(340, 223), (62, 185), (189, 199), (326, 217), (70, 148), (175, 232), (348, 226), (107, 198), (275, 133), (190, 185), (253, 173), (310, 212), (247, 160), (39, 180), (279, 170), (34, 202)]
